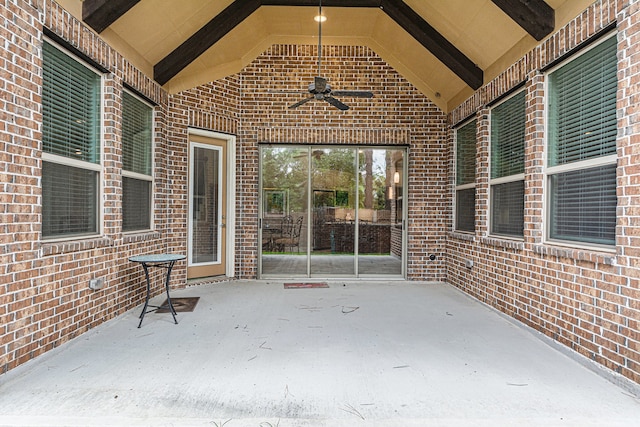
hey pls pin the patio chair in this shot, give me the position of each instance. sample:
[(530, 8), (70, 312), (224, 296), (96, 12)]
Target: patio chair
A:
[(290, 235)]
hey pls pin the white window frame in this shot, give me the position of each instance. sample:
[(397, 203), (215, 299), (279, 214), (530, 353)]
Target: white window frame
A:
[(67, 161), (549, 171), (471, 185), (143, 177), (504, 179)]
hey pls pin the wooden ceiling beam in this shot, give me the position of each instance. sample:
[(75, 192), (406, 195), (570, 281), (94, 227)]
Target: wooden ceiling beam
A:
[(535, 16), (431, 39), (239, 10), (328, 3), (99, 14), (203, 39)]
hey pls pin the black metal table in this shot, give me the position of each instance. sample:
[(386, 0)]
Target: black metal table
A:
[(163, 261)]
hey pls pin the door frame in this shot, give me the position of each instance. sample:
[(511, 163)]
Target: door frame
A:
[(358, 274), (230, 213)]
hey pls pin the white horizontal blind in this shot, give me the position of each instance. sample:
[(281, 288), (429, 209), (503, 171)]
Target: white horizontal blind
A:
[(466, 154), (507, 163), (137, 122), (136, 204), (582, 147), (70, 107), (507, 208), (136, 135), (582, 106), (507, 137), (583, 205), (69, 201), (71, 145), (466, 209), (466, 177)]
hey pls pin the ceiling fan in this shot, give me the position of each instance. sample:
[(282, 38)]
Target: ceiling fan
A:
[(320, 89)]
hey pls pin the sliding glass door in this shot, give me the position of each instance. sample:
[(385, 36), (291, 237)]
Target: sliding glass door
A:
[(331, 211), (284, 211), (334, 187), (380, 213)]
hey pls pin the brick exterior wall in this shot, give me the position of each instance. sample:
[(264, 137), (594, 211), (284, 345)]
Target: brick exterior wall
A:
[(586, 300), (589, 301), (398, 115), (44, 295)]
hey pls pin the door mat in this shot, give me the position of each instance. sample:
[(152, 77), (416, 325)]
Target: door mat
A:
[(179, 305), (305, 285)]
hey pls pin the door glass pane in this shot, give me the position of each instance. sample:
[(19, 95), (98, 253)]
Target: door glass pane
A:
[(333, 182), (380, 212), (205, 203), (284, 233)]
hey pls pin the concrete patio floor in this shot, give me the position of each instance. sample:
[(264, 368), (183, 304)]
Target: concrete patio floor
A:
[(366, 353)]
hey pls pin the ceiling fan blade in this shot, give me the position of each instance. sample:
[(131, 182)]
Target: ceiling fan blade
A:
[(299, 103), (336, 103), (303, 92), (353, 93), (320, 84)]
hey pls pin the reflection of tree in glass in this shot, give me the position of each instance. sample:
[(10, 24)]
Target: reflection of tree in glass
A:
[(285, 168), (374, 180), (334, 169)]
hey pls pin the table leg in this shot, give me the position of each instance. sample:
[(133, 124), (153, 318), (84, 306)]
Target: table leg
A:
[(168, 266), (166, 284), (146, 300)]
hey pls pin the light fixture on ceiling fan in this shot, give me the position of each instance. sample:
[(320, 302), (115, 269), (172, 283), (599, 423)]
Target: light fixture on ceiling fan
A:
[(320, 89)]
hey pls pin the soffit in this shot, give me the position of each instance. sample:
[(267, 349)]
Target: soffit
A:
[(152, 29)]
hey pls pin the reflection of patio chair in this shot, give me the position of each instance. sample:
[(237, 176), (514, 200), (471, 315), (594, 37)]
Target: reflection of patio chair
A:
[(290, 234)]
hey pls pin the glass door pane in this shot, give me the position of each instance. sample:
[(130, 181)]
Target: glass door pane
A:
[(380, 213), (284, 214), (332, 212), (333, 184), (207, 204)]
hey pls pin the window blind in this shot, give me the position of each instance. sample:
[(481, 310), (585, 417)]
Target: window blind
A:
[(465, 209), (507, 137), (582, 106), (507, 208), (583, 205), (70, 129), (583, 126), (70, 107), (136, 204), (69, 200), (137, 119), (507, 161), (466, 154)]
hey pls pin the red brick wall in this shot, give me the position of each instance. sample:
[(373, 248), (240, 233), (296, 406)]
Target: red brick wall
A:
[(585, 299), (44, 294), (397, 115), (589, 301), (214, 107)]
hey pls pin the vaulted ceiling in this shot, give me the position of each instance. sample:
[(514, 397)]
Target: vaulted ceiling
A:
[(446, 48)]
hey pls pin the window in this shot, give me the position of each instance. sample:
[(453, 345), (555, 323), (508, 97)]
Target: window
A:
[(581, 161), (466, 177), (71, 146), (507, 167), (137, 179)]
